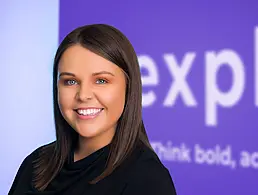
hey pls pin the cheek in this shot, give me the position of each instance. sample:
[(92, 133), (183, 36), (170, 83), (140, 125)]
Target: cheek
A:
[(65, 98), (114, 101)]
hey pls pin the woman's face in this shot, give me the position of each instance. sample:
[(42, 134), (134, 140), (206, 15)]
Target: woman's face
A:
[(91, 93)]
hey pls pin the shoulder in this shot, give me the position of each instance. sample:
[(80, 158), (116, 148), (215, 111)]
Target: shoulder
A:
[(30, 158), (36, 153), (149, 175), (24, 173)]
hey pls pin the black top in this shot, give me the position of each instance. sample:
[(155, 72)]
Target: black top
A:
[(141, 174)]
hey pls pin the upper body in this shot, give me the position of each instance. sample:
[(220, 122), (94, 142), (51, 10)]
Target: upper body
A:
[(98, 122), (141, 173)]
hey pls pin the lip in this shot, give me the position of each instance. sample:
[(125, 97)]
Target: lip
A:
[(83, 117), (85, 108)]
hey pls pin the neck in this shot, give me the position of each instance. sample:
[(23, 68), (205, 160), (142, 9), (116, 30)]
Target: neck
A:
[(87, 146)]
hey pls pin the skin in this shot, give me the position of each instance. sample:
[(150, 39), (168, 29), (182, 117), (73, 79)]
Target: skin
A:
[(87, 80)]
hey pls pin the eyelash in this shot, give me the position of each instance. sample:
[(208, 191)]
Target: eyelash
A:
[(105, 81), (68, 80)]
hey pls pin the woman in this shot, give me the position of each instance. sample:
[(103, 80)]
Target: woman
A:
[(101, 144)]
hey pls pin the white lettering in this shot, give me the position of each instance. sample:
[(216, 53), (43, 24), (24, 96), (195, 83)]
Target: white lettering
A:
[(152, 79), (179, 73), (214, 96), (256, 64), (249, 159)]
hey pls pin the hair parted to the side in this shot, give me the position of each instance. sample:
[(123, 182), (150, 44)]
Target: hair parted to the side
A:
[(112, 45)]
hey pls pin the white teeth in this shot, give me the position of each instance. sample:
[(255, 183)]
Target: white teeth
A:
[(89, 111)]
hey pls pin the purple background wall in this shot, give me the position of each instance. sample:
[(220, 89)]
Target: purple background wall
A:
[(213, 43)]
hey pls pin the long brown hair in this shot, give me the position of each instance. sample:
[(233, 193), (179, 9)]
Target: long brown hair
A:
[(112, 45)]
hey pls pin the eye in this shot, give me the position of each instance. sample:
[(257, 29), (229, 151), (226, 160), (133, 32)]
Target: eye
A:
[(101, 81), (70, 82)]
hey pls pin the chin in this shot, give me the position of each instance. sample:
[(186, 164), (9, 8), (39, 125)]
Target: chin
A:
[(88, 133)]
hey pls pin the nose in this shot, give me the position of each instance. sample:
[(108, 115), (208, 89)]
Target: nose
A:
[(84, 92)]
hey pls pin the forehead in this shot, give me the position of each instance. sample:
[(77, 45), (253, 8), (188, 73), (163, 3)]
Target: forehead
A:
[(79, 59)]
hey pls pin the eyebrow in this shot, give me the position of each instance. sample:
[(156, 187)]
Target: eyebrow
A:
[(94, 74)]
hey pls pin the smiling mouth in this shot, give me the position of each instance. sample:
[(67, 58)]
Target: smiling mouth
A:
[(89, 112)]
